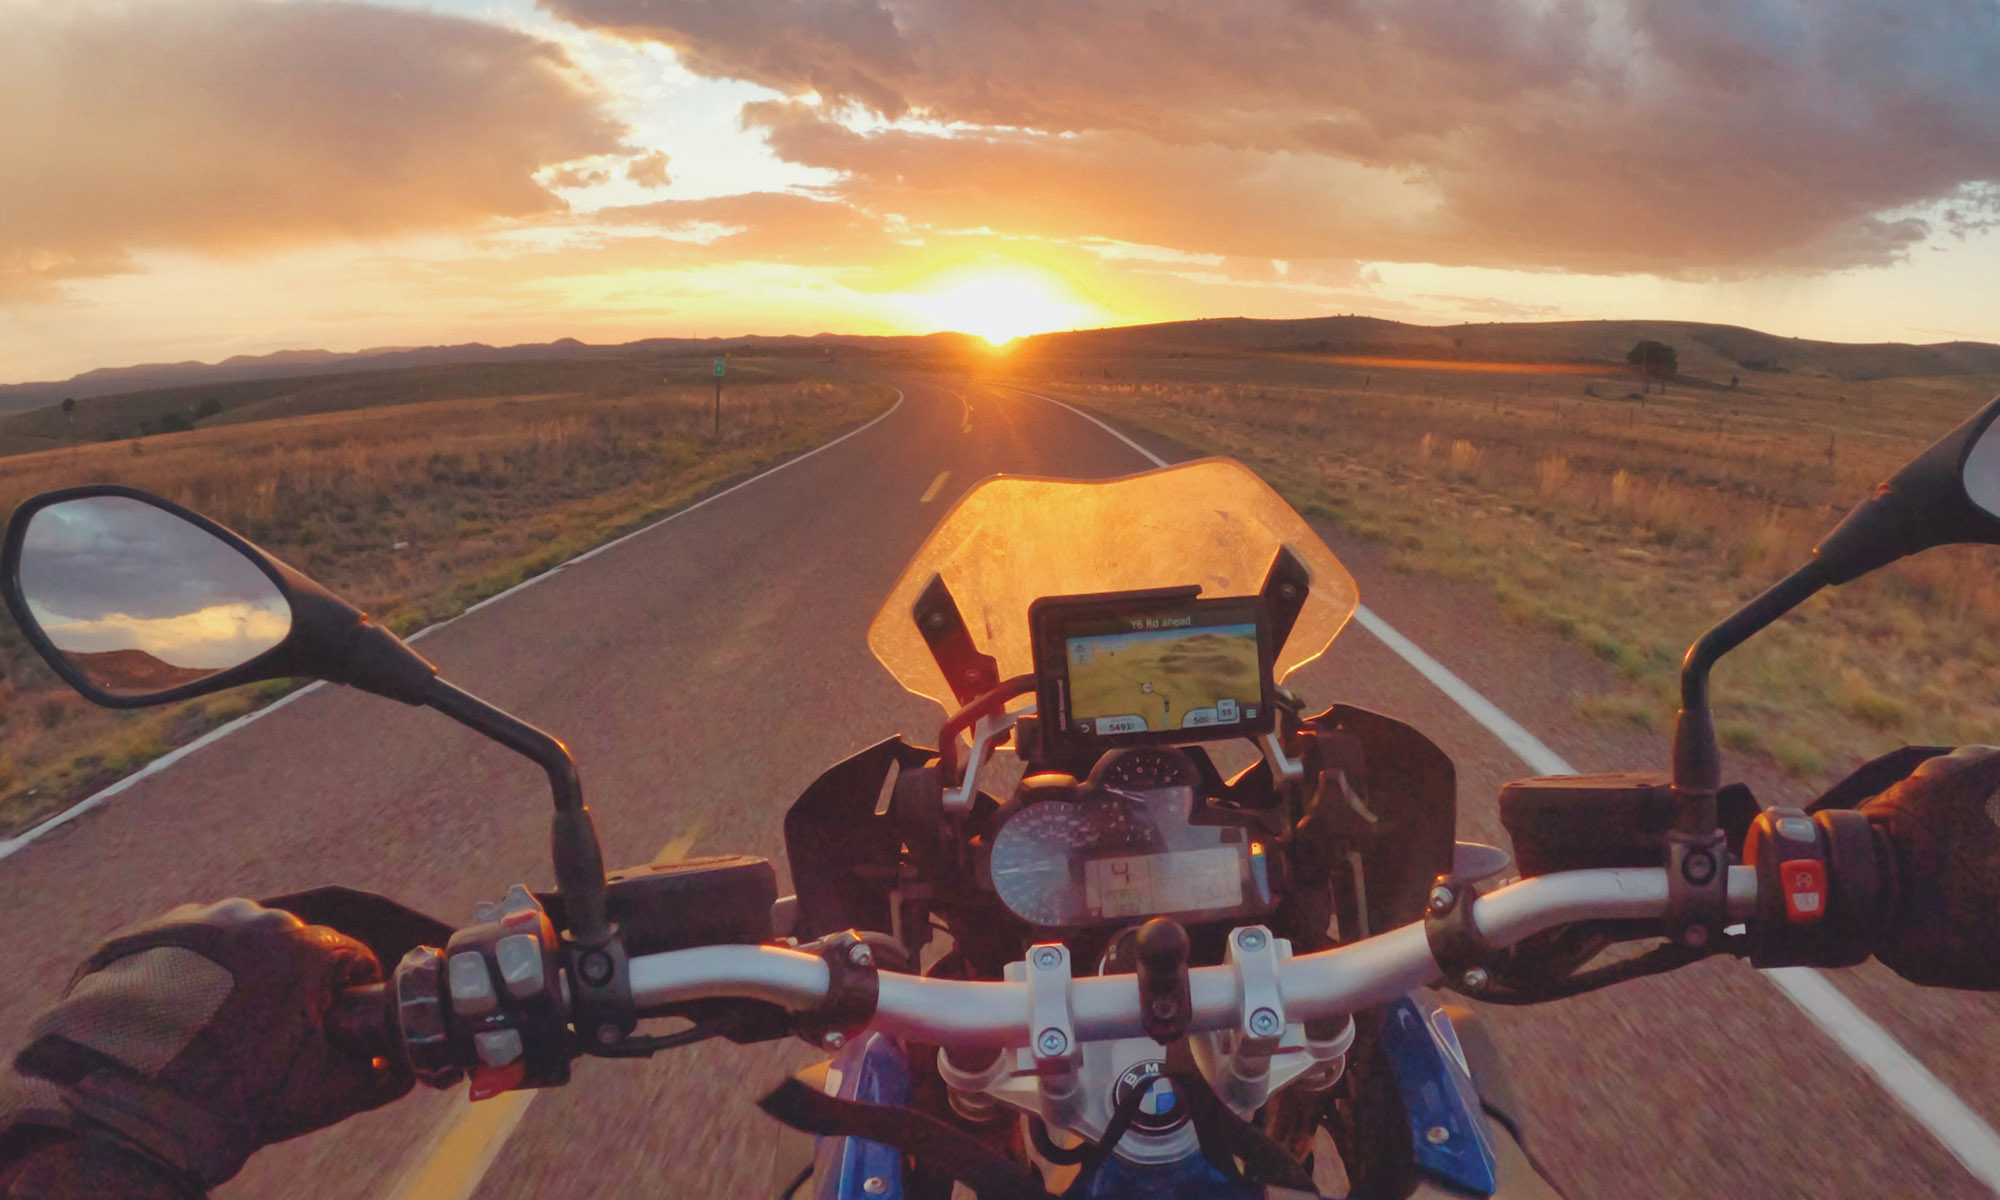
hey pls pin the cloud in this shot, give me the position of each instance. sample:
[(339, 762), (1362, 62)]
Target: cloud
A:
[(648, 170), (1692, 138), (237, 125)]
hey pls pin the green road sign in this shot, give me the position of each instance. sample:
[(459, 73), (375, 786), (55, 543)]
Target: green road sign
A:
[(719, 364)]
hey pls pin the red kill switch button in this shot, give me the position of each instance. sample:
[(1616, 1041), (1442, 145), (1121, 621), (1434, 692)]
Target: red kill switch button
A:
[(1805, 890)]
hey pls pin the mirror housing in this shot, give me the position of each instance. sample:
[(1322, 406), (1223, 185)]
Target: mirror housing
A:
[(331, 639), (328, 639), (1949, 493)]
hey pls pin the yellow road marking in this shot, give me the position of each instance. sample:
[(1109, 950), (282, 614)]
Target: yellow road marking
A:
[(464, 1147), (677, 849), (937, 485)]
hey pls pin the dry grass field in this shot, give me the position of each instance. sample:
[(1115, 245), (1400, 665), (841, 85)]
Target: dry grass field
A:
[(1629, 522), (413, 493)]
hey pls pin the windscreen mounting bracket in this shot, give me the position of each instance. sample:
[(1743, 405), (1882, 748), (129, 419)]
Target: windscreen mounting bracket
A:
[(1286, 586), (969, 673)]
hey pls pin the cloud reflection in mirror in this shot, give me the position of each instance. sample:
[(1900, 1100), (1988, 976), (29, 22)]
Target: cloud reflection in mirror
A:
[(142, 601)]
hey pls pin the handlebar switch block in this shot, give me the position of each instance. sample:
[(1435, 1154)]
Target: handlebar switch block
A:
[(1818, 888), (508, 1016)]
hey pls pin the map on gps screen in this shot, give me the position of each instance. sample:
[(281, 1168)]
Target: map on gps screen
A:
[(1164, 679)]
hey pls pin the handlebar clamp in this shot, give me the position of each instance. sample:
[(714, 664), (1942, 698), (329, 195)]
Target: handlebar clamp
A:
[(1463, 956), (852, 990)]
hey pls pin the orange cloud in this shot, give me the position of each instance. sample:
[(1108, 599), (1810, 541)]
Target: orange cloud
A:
[(1696, 138), (231, 125)]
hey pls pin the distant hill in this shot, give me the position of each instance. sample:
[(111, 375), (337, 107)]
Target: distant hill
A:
[(134, 671), (292, 364), (1713, 351), (1709, 350)]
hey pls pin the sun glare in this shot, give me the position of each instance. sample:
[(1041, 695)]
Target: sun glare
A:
[(999, 305)]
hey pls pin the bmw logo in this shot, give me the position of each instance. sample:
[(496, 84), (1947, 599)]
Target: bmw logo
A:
[(1161, 1109)]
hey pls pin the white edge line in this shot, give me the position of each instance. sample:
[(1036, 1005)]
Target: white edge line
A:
[(96, 799), (1921, 1094)]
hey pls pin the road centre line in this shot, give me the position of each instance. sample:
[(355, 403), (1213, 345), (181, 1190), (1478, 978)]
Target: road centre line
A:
[(463, 1147), (22, 840), (937, 485), (1921, 1094)]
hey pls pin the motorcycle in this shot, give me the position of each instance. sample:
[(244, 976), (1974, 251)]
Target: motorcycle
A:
[(1062, 951)]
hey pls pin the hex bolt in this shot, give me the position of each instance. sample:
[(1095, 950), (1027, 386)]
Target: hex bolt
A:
[(1048, 958), (1265, 1023), (1695, 936), (834, 1039), (860, 955), (1250, 939), (1698, 868), (608, 1035), (1442, 899), (875, 1185), (1437, 1135), (1476, 979), (1052, 1042), (595, 968)]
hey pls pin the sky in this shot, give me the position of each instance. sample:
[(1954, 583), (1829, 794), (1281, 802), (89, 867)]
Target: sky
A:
[(194, 179)]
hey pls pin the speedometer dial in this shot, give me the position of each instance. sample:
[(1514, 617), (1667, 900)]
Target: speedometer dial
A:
[(1031, 863)]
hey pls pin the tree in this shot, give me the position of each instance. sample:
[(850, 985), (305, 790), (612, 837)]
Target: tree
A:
[(1656, 360), (209, 407)]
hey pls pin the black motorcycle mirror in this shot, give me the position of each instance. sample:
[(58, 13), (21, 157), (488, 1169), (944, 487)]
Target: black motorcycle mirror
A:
[(136, 601), (1948, 494)]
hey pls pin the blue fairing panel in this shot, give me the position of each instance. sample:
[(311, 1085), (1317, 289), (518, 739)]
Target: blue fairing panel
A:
[(872, 1070), (1447, 1127)]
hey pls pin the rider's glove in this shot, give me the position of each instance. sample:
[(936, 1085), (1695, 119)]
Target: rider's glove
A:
[(198, 1038), (1941, 825)]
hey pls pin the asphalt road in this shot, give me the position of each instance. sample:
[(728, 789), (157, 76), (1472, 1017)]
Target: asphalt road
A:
[(704, 672)]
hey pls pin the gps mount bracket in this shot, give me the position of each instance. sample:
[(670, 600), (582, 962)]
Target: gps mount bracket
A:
[(969, 673)]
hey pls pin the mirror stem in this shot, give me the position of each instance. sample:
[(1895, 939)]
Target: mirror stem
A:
[(579, 862), (1697, 758)]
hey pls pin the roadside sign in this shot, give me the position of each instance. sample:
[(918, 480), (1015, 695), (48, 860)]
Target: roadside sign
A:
[(719, 365)]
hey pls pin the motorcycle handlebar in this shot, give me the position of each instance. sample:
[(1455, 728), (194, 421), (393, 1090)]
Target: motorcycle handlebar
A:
[(1326, 984)]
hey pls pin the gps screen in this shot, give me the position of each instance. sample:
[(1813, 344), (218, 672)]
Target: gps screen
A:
[(1186, 675)]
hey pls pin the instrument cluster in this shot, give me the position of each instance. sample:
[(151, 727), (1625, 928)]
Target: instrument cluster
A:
[(1121, 847)]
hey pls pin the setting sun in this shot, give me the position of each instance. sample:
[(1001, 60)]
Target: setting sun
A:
[(1000, 305)]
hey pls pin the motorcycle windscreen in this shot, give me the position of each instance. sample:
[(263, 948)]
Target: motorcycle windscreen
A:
[(1012, 540)]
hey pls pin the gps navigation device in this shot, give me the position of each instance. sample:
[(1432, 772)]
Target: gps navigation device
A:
[(1130, 668)]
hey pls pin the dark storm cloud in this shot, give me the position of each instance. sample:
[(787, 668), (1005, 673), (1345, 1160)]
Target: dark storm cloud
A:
[(225, 125), (1686, 137)]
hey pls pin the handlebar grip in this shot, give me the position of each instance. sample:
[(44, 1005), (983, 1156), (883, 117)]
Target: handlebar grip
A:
[(359, 1022)]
